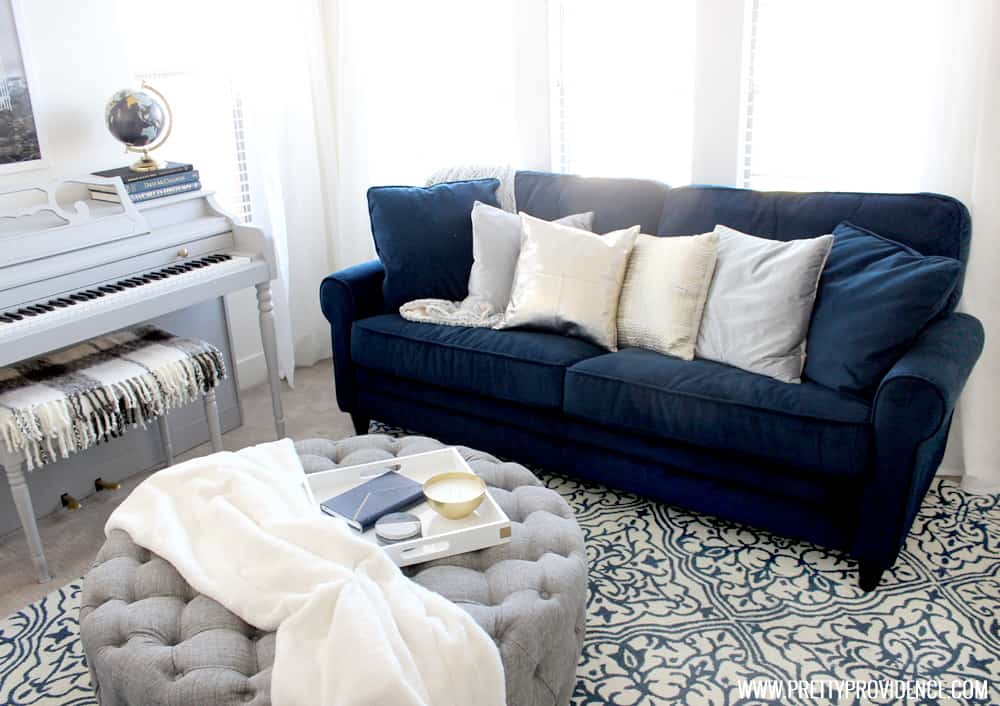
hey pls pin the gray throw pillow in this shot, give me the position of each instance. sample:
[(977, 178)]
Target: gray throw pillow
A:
[(496, 243), (760, 303)]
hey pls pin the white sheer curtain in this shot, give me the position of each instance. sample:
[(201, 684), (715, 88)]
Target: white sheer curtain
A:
[(417, 86), (958, 155), (280, 70), (967, 156)]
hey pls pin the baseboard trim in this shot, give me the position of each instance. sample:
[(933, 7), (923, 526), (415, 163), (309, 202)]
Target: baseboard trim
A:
[(251, 370)]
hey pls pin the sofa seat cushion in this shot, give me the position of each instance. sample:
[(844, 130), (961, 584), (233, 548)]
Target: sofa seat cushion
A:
[(711, 404), (521, 366)]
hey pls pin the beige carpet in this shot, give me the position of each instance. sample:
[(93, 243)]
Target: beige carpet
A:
[(71, 539)]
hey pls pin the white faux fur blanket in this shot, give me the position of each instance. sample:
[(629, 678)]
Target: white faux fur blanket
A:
[(352, 630)]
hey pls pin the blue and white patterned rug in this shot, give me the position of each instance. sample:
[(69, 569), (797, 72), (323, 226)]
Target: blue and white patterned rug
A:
[(41, 657), (683, 607)]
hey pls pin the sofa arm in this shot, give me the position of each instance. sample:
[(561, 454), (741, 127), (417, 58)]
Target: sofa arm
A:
[(346, 296), (911, 416), (924, 385)]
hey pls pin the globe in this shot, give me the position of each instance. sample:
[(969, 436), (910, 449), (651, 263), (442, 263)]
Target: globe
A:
[(134, 117)]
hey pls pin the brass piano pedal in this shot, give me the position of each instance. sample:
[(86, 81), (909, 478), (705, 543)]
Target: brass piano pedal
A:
[(69, 502), (100, 484)]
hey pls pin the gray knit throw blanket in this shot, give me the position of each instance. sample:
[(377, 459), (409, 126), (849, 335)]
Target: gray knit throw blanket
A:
[(72, 399)]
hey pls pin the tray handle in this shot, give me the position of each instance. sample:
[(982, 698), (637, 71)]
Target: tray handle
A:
[(426, 552)]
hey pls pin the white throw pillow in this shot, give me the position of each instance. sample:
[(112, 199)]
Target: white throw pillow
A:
[(664, 293), (569, 280), (496, 243), (761, 301)]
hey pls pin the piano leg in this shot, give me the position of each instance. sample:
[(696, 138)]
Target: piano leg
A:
[(26, 512), (269, 338)]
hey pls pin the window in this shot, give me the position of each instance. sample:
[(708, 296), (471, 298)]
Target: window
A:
[(623, 88), (836, 93), (430, 85), (195, 78)]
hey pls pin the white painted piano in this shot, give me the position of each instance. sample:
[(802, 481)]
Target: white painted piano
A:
[(69, 273), (72, 268)]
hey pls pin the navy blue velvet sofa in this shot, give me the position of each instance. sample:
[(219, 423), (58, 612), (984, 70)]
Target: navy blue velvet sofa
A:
[(799, 460)]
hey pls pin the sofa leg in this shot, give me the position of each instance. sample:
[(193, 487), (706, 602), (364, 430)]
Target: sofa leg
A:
[(360, 423), (869, 575)]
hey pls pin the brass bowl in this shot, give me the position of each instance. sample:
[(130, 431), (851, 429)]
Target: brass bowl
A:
[(451, 500)]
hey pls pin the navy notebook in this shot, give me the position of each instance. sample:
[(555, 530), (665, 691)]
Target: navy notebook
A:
[(364, 505)]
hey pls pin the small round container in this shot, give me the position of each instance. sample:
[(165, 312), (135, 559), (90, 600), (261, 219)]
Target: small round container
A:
[(454, 495), (397, 527)]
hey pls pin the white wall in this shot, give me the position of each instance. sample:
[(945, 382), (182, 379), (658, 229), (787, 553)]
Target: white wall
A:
[(80, 56)]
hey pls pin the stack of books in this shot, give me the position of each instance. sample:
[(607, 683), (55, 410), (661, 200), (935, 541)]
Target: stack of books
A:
[(173, 178)]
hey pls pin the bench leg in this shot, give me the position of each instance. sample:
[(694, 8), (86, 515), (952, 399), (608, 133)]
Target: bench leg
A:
[(26, 512), (212, 416), (168, 444)]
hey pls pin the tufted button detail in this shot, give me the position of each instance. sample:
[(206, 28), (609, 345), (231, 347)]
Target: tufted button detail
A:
[(544, 595)]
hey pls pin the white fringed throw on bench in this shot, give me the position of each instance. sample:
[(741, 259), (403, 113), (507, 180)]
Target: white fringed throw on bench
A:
[(352, 630), (72, 399)]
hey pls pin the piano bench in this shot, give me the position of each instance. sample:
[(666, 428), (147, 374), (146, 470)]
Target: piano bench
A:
[(90, 393)]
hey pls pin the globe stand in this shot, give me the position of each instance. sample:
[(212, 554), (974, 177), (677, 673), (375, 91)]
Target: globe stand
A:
[(146, 164)]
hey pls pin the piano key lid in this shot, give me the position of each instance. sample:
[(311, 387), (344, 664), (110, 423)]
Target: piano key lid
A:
[(39, 220)]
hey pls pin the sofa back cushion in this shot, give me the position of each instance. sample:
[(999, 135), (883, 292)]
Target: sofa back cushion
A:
[(929, 223), (616, 203), (423, 236)]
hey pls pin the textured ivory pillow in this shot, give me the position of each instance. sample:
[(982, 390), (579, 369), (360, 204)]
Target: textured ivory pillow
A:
[(496, 243), (666, 285), (569, 280), (760, 303)]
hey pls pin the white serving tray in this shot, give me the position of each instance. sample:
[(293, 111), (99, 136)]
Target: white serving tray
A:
[(441, 537)]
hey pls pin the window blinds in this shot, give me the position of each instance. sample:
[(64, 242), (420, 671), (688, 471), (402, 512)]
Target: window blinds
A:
[(836, 93), (622, 88)]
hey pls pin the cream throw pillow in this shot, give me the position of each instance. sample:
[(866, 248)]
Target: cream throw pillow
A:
[(664, 294), (568, 280)]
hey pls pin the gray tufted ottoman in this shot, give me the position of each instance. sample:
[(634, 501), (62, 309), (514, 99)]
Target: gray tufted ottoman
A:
[(150, 640)]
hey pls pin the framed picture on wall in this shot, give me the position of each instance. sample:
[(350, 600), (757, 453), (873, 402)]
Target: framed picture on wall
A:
[(22, 145)]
